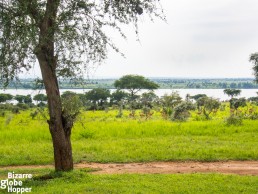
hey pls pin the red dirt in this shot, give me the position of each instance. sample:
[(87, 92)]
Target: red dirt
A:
[(228, 167)]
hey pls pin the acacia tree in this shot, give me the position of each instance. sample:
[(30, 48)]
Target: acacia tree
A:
[(135, 83), (64, 37), (232, 92)]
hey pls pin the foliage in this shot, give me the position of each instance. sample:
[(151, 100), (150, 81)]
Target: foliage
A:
[(168, 83), (23, 99), (253, 99), (75, 24), (71, 106), (197, 96), (40, 98), (181, 111), (98, 97), (23, 106), (235, 103), (5, 97), (207, 105), (117, 97), (234, 119), (169, 102), (149, 99), (232, 92), (134, 83)]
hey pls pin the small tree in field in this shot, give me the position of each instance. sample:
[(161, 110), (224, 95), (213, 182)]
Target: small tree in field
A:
[(207, 105), (135, 83), (64, 37), (5, 97), (169, 102), (232, 92), (182, 111), (40, 98), (98, 97)]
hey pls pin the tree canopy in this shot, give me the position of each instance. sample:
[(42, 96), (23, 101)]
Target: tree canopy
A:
[(78, 29), (232, 92), (5, 97), (134, 83), (40, 97)]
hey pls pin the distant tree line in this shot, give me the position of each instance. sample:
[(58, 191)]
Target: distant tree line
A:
[(127, 96), (163, 83)]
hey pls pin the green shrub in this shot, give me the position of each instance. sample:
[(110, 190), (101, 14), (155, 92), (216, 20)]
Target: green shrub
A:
[(2, 114), (181, 111), (234, 120), (23, 106), (8, 119), (16, 110)]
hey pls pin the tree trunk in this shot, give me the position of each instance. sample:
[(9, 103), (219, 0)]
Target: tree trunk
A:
[(59, 126)]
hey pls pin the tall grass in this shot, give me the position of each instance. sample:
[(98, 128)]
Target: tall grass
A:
[(101, 137)]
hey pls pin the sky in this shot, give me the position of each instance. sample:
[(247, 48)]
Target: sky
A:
[(201, 39)]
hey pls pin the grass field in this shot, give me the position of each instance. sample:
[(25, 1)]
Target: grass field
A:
[(101, 137), (80, 181)]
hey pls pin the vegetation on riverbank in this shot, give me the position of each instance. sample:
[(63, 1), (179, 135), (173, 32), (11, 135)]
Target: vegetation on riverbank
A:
[(164, 83)]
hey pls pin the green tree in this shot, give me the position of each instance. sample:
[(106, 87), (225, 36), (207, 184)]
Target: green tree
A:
[(232, 92), (197, 96), (5, 97), (23, 99), (182, 111), (117, 96), (98, 97), (40, 98), (207, 105), (169, 102), (135, 83), (235, 103), (58, 33), (19, 98)]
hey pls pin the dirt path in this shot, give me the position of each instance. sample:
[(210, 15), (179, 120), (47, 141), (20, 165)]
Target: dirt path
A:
[(229, 167)]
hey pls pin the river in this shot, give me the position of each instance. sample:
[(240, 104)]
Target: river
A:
[(216, 93)]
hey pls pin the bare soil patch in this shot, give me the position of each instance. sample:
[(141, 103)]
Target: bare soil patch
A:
[(228, 167)]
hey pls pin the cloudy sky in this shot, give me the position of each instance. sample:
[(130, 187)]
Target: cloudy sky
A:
[(202, 38)]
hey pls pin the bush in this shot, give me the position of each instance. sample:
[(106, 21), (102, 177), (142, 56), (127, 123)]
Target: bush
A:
[(234, 120), (253, 116), (2, 114), (16, 110), (41, 104), (181, 111), (6, 106), (23, 106)]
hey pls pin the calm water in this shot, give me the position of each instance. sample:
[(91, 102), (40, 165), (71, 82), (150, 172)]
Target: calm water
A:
[(216, 93)]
